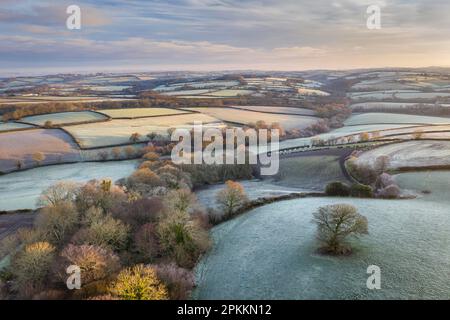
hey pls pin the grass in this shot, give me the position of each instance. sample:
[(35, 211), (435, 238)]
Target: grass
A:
[(393, 118), (119, 131), (62, 118), (411, 154), (273, 250), (7, 126), (245, 117), (140, 112), (312, 172), (20, 190), (56, 145), (277, 109)]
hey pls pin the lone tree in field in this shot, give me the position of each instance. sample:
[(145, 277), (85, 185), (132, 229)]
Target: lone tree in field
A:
[(38, 157), (337, 222), (135, 137), (232, 197)]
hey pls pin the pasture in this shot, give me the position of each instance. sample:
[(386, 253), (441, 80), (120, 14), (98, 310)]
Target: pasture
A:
[(392, 118), (118, 131), (64, 118), (277, 109), (54, 144), (21, 190), (410, 154), (245, 117), (131, 113), (7, 126), (273, 250)]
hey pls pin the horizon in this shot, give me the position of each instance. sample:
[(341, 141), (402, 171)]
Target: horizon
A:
[(212, 35)]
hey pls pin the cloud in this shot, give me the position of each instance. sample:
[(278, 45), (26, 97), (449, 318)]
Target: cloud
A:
[(269, 33)]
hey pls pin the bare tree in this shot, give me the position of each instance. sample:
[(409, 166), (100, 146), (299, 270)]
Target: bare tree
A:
[(232, 197), (337, 222)]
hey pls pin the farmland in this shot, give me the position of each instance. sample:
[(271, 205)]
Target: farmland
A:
[(272, 249), (118, 131), (264, 250), (411, 154), (282, 110), (245, 117), (63, 118), (21, 190), (7, 126), (139, 112), (391, 118), (55, 145)]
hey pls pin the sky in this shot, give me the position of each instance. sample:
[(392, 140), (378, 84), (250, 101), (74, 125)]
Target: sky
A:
[(152, 35)]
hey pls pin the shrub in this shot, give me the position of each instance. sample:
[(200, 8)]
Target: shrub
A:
[(146, 242), (139, 212), (48, 124), (337, 189), (391, 192), (382, 164), (384, 180), (337, 222), (151, 156), (101, 194), (96, 263), (31, 267), (145, 176), (50, 295), (139, 283), (105, 232), (38, 157), (181, 238), (232, 197), (8, 245), (92, 289), (180, 200), (361, 191), (361, 172), (57, 222), (59, 192), (179, 281)]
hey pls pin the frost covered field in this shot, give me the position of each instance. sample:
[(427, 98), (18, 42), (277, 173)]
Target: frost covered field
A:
[(245, 117), (410, 154), (118, 131), (65, 118), (56, 145), (276, 109), (392, 118), (269, 253), (7, 126), (131, 113), (20, 190)]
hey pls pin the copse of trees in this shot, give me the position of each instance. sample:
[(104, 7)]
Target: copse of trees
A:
[(373, 176), (108, 231)]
